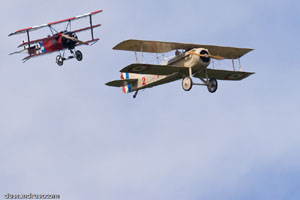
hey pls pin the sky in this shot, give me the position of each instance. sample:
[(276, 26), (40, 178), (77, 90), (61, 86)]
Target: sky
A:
[(62, 131)]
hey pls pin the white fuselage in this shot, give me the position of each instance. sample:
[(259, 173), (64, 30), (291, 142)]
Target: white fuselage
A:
[(185, 59)]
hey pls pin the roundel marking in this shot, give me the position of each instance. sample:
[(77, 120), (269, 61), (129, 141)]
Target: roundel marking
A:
[(137, 69), (235, 76)]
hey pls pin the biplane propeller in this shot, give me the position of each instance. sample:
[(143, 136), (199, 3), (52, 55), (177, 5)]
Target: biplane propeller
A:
[(58, 41), (192, 62)]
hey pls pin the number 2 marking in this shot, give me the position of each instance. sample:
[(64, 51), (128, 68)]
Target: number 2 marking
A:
[(144, 81)]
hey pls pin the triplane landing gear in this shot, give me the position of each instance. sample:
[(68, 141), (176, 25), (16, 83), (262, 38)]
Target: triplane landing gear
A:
[(60, 59)]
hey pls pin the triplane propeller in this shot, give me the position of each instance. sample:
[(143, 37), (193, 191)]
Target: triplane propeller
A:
[(192, 61), (58, 41)]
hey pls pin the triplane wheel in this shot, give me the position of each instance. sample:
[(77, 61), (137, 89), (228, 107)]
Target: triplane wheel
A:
[(187, 83), (78, 55), (59, 60), (213, 85)]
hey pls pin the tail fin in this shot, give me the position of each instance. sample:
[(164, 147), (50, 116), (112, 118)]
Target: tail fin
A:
[(125, 83)]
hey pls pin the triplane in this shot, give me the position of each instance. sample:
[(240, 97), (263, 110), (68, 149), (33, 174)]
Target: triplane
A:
[(58, 41), (192, 61)]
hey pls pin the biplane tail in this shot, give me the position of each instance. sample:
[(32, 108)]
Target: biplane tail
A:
[(128, 85)]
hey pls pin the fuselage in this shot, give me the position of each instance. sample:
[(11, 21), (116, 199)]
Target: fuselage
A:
[(52, 44), (185, 59)]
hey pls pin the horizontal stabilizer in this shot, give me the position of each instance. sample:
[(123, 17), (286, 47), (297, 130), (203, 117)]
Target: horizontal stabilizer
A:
[(120, 83), (223, 74), (154, 69)]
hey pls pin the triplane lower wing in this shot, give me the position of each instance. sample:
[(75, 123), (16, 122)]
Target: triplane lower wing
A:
[(58, 41), (191, 62)]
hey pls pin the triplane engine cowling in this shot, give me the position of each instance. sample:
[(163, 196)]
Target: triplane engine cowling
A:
[(67, 43)]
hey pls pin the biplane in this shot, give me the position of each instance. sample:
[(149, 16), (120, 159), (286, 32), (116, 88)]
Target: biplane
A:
[(57, 41), (190, 61)]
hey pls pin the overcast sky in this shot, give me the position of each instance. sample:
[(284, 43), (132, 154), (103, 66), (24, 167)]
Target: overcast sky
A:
[(63, 131)]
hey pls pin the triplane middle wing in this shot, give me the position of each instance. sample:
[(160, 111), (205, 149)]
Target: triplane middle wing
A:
[(193, 61)]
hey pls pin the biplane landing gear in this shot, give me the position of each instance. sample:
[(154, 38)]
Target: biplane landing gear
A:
[(187, 83), (136, 92), (78, 55), (59, 60), (212, 85)]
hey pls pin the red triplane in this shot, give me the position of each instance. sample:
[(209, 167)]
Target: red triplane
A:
[(59, 41)]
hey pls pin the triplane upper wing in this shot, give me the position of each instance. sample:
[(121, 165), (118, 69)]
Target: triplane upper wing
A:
[(163, 47), (53, 23)]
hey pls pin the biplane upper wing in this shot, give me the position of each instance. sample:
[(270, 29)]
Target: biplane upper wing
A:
[(163, 47), (53, 23), (154, 69), (120, 83), (223, 74)]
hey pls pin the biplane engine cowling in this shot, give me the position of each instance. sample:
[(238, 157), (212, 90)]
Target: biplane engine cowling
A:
[(204, 60)]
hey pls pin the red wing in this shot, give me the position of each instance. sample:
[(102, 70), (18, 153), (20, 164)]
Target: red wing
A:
[(35, 55), (37, 41), (52, 23), (89, 41), (87, 28)]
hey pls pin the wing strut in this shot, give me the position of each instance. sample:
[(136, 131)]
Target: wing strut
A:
[(91, 23), (240, 64), (28, 38)]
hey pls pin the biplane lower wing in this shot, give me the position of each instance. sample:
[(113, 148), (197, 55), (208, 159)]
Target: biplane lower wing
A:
[(120, 83), (223, 74), (154, 69)]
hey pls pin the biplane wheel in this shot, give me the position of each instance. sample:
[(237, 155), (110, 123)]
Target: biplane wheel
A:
[(213, 85), (59, 60), (187, 83), (78, 55)]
